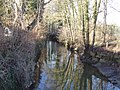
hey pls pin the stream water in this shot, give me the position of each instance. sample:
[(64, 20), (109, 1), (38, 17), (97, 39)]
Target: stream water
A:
[(63, 70)]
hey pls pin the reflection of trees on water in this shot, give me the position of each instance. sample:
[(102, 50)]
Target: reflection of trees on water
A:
[(64, 71), (81, 77), (69, 78)]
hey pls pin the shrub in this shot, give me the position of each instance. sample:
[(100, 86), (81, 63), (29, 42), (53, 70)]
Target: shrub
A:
[(17, 53)]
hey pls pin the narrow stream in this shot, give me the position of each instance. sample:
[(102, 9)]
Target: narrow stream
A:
[(62, 70)]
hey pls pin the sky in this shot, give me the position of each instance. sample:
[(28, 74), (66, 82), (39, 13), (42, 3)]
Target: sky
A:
[(113, 12), (113, 16)]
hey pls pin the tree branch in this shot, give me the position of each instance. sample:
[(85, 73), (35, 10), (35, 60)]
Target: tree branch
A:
[(115, 9), (47, 2), (32, 24)]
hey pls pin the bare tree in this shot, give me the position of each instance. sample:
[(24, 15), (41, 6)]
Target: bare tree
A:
[(105, 20), (83, 26), (18, 12), (95, 15), (39, 15), (87, 22)]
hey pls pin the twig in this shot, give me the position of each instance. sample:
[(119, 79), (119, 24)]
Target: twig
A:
[(47, 2)]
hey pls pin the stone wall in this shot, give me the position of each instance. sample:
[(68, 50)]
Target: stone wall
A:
[(102, 55)]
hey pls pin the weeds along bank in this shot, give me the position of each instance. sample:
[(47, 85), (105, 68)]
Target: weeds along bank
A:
[(17, 59)]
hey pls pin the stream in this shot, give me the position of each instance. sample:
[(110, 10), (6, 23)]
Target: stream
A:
[(63, 70)]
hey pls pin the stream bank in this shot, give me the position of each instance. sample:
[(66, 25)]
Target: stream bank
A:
[(107, 62)]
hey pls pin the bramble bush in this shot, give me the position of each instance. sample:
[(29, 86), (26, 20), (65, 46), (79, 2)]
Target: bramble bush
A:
[(17, 64)]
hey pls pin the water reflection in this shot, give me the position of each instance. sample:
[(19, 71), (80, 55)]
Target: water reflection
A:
[(62, 70)]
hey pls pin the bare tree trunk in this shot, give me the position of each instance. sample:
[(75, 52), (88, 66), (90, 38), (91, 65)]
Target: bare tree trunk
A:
[(82, 19), (15, 12), (21, 10), (95, 15), (39, 16), (69, 19), (83, 29), (18, 8), (105, 22), (87, 23)]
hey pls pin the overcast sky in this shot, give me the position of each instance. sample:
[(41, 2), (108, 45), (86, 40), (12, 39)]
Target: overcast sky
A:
[(114, 12)]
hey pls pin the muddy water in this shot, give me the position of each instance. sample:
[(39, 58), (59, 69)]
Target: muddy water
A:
[(62, 70)]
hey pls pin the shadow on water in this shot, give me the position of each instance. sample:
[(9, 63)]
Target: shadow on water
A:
[(62, 70)]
